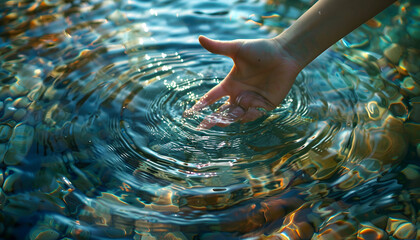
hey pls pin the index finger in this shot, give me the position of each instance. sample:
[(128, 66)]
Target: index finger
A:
[(209, 98)]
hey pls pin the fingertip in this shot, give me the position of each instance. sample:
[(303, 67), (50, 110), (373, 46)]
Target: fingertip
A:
[(202, 37), (205, 42)]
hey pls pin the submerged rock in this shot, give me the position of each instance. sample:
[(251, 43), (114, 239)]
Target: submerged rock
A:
[(410, 88), (405, 230), (5, 132), (19, 144), (369, 231), (393, 53)]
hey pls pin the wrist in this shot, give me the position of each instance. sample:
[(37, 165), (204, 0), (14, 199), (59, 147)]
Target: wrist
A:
[(289, 52)]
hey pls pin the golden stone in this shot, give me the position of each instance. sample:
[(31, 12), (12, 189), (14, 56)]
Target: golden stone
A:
[(369, 231), (405, 231), (393, 53), (410, 88)]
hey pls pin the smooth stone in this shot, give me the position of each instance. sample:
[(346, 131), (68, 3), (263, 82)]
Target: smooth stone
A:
[(19, 114), (393, 224), (393, 53), (418, 150), (368, 231), (42, 233), (19, 144), (405, 231), (388, 144), (5, 133), (411, 172), (9, 110), (4, 92), (11, 180), (1, 106), (115, 233), (399, 109), (407, 65), (22, 102), (410, 88), (17, 90)]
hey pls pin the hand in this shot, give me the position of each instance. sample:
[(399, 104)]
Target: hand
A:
[(262, 75)]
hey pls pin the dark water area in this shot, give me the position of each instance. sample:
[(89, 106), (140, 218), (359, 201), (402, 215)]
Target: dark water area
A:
[(93, 144)]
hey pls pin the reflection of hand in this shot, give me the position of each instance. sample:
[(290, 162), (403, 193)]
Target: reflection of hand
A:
[(260, 79)]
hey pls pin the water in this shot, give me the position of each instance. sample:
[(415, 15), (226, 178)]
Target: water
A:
[(93, 144)]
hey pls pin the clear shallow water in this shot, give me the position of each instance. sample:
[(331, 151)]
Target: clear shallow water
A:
[(93, 144)]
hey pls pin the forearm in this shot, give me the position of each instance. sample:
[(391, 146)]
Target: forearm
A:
[(326, 22)]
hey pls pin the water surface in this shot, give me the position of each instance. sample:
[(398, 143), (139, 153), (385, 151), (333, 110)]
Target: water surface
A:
[(93, 144)]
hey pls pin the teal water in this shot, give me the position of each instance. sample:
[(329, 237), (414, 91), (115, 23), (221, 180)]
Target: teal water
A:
[(93, 144)]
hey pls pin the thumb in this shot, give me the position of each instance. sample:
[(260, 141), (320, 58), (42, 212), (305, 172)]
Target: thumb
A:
[(227, 48)]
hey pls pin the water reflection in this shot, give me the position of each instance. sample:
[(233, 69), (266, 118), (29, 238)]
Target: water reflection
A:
[(93, 143)]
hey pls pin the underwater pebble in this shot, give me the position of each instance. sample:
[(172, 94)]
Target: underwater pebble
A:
[(5, 133), (4, 92), (115, 232), (17, 90), (1, 106), (410, 88), (19, 144), (405, 231), (19, 114), (409, 66), (369, 231), (42, 233), (21, 102), (412, 173), (393, 224), (393, 53), (9, 110), (11, 180)]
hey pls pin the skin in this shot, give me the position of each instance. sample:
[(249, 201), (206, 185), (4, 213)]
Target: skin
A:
[(264, 70)]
